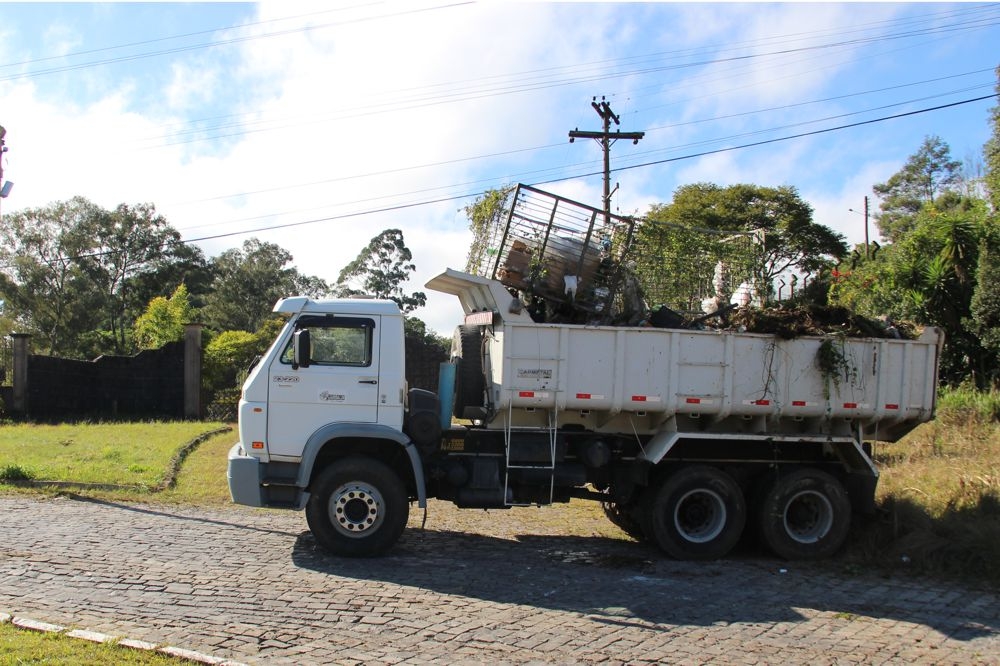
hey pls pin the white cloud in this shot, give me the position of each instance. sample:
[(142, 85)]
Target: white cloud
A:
[(833, 207), (190, 85), (310, 115), (60, 39)]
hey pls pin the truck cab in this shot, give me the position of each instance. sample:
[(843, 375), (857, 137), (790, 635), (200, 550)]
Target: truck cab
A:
[(330, 388)]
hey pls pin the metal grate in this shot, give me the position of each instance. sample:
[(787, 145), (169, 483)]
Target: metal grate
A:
[(561, 251)]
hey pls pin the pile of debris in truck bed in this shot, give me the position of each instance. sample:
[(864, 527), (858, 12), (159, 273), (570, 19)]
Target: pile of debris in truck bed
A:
[(570, 263), (792, 322)]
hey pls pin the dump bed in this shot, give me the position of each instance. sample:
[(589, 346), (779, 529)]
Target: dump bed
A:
[(629, 379), (659, 373)]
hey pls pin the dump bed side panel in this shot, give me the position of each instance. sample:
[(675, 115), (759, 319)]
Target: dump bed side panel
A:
[(667, 371)]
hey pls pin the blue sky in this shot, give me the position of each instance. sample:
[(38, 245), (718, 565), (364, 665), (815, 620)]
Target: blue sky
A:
[(317, 125)]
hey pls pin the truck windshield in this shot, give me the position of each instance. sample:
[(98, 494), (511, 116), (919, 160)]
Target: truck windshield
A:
[(336, 341)]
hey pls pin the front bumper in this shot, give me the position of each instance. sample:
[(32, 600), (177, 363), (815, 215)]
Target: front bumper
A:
[(245, 474)]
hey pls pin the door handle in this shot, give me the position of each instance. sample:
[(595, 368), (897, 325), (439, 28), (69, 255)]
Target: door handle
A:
[(368, 381)]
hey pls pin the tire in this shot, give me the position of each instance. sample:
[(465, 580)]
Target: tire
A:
[(805, 515), (358, 507), (467, 351), (624, 520), (698, 513)]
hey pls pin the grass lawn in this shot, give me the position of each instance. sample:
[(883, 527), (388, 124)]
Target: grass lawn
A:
[(203, 476), (20, 646), (939, 501), (138, 455)]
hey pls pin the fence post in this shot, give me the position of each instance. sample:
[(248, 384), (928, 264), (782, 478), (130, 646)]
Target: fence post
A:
[(20, 380), (192, 371)]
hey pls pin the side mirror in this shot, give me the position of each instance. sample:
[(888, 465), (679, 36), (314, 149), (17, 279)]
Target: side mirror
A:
[(301, 348)]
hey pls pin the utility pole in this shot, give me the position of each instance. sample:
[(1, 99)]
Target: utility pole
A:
[(606, 137), (4, 188), (866, 227), (867, 251)]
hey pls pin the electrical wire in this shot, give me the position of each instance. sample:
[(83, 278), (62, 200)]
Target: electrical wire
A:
[(415, 204)]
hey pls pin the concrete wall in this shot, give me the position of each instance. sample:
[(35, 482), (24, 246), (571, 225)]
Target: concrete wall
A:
[(158, 383)]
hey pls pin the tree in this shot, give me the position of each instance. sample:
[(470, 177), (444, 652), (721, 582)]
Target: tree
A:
[(164, 319), (73, 272), (927, 174), (380, 269), (126, 242), (486, 215), (991, 153), (985, 304), (249, 281), (416, 328), (226, 355), (44, 286), (180, 263), (707, 223), (927, 277)]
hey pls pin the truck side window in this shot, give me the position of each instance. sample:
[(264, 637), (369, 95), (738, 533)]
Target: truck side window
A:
[(336, 341)]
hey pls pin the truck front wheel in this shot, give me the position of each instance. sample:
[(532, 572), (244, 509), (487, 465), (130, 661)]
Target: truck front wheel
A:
[(805, 515), (357, 507), (698, 513)]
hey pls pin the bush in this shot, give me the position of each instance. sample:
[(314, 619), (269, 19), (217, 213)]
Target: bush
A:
[(15, 473)]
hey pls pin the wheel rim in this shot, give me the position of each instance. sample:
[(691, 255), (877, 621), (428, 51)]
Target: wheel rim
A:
[(356, 509), (808, 516), (700, 515)]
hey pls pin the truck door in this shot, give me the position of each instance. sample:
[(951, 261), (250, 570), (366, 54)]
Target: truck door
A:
[(340, 383)]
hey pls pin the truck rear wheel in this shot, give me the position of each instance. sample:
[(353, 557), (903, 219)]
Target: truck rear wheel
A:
[(467, 350), (805, 515), (357, 507), (698, 513)]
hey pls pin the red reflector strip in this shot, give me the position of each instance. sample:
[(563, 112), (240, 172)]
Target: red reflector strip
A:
[(891, 406), (850, 405), (583, 396), (798, 403), (760, 403), (526, 394), (693, 401), (638, 398)]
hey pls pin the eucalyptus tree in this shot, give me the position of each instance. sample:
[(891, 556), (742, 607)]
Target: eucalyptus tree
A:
[(381, 269)]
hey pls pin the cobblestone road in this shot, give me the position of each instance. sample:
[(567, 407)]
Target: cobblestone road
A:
[(251, 585)]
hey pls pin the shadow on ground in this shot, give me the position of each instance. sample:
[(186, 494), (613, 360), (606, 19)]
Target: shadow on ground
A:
[(632, 583)]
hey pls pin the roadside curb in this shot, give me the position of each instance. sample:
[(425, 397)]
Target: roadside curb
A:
[(29, 624)]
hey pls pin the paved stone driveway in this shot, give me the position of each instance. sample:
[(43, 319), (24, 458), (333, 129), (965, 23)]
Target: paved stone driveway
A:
[(251, 585)]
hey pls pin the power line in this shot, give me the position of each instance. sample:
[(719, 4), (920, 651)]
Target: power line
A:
[(415, 204), (358, 176), (534, 80), (799, 136)]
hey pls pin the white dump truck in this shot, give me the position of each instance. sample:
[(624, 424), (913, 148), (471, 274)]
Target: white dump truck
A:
[(689, 438)]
